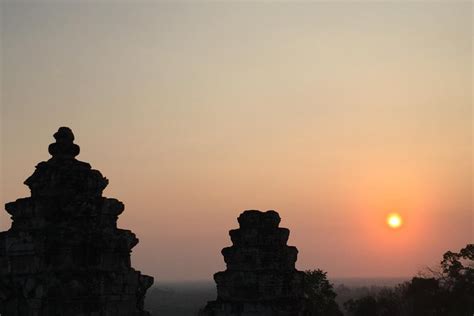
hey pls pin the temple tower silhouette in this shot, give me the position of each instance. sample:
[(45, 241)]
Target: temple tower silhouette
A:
[(64, 255), (261, 278)]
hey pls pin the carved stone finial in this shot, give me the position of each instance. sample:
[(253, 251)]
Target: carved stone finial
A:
[(64, 147)]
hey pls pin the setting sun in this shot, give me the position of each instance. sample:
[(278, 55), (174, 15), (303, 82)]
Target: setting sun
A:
[(394, 220)]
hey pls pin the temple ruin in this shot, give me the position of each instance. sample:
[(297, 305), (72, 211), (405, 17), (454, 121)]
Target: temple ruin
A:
[(64, 254), (261, 278)]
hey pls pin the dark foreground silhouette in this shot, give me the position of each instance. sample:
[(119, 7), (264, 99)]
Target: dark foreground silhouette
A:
[(261, 278), (447, 292), (186, 298), (63, 255)]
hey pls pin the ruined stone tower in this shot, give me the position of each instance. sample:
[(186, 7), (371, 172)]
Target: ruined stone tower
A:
[(261, 278), (64, 255)]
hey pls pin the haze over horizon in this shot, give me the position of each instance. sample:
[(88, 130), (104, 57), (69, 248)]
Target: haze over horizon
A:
[(332, 114)]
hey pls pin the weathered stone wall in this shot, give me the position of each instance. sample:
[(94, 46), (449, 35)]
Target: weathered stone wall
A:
[(64, 255), (261, 278)]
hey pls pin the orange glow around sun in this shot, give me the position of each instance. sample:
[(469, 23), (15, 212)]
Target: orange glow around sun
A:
[(394, 220)]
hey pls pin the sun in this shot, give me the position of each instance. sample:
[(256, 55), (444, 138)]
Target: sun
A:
[(394, 220)]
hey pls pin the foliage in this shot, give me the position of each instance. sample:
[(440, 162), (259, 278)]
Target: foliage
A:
[(365, 306), (447, 293), (320, 294)]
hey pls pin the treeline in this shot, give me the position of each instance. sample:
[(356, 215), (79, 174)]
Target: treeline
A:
[(448, 291)]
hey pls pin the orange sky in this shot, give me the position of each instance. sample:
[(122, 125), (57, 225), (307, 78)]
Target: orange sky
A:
[(332, 114)]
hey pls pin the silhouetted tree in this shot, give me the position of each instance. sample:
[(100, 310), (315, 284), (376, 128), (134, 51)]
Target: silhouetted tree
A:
[(424, 296), (458, 280), (320, 294), (447, 293), (365, 306), (389, 302)]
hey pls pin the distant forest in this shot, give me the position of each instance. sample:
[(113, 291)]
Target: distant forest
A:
[(447, 290)]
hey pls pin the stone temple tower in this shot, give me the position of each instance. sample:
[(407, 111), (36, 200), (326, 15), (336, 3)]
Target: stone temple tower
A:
[(64, 255), (261, 278)]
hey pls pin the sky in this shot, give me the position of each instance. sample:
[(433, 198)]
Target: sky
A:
[(334, 114)]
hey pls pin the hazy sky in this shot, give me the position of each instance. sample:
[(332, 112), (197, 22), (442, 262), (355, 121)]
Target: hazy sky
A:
[(333, 114)]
